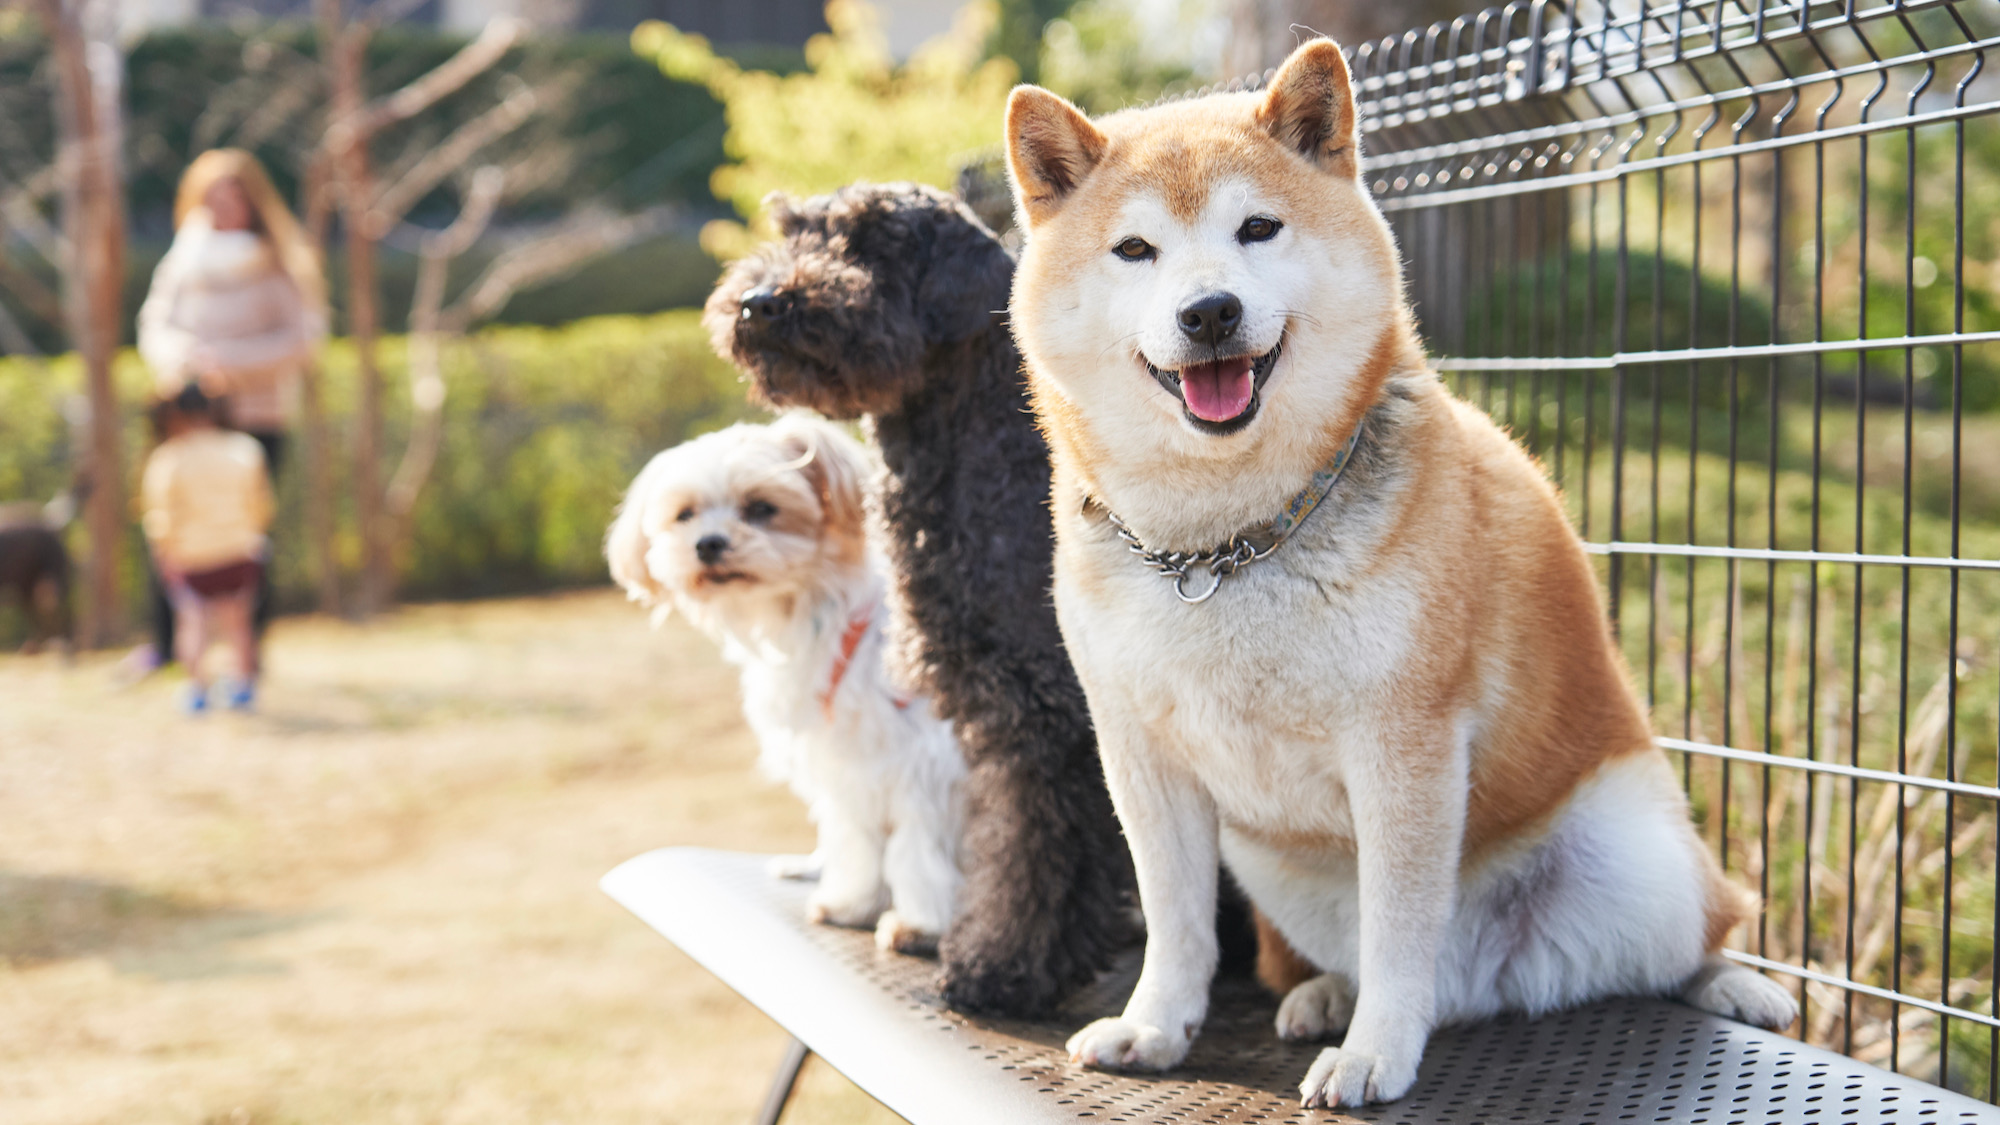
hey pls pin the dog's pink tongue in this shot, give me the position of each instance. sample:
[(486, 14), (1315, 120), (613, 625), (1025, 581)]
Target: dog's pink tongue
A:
[(1217, 392)]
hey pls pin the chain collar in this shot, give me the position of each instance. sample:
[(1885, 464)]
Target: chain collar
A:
[(1239, 552)]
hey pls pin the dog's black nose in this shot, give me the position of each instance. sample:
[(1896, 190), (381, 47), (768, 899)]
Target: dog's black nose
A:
[(710, 548), (1213, 318), (765, 303)]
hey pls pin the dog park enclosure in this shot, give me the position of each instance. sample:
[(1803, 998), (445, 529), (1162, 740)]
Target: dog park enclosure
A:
[(1729, 270)]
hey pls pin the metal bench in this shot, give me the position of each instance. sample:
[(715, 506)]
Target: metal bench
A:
[(875, 1018)]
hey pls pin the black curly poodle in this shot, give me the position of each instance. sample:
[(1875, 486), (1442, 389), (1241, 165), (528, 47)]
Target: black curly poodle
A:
[(887, 303)]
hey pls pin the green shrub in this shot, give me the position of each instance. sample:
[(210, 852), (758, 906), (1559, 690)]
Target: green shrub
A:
[(544, 428)]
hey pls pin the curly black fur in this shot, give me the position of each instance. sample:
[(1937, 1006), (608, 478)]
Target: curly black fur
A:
[(887, 303)]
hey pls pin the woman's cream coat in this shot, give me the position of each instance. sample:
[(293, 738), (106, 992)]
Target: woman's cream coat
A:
[(221, 301)]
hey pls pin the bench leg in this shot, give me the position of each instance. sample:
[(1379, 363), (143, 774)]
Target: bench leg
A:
[(781, 1083)]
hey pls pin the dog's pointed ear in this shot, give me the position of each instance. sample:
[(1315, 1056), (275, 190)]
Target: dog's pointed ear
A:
[(1051, 147), (625, 549), (1310, 108)]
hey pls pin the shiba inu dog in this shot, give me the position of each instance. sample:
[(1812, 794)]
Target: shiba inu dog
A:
[(1333, 626)]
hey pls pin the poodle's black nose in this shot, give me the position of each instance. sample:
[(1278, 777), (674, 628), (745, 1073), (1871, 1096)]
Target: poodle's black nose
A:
[(710, 548), (765, 303), (1213, 318)]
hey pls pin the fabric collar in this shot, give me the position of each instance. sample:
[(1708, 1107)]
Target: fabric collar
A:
[(850, 643)]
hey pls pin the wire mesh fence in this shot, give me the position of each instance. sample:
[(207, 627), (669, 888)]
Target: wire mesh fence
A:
[(1730, 270)]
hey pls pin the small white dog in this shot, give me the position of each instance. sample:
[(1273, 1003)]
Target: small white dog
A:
[(755, 533)]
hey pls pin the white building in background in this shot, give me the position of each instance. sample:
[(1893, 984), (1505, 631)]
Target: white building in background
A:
[(136, 17), (910, 24)]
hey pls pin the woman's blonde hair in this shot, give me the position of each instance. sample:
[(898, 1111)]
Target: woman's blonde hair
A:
[(274, 219)]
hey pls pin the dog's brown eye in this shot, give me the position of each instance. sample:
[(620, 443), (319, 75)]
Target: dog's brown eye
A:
[(1135, 250), (1257, 228), (758, 511), (684, 515)]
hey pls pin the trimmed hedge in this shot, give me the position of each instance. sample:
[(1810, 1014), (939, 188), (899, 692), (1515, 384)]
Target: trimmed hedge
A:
[(544, 428)]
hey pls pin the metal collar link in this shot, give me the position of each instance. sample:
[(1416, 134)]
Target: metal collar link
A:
[(1220, 562), (1239, 552)]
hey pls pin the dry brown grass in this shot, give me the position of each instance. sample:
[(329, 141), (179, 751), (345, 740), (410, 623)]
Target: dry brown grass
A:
[(376, 900)]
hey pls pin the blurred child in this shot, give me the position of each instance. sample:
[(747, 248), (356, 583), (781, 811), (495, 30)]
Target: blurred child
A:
[(207, 503)]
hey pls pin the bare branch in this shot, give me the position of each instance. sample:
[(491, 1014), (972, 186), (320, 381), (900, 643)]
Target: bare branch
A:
[(13, 339), (481, 200), (475, 58), (295, 96), (461, 146), (252, 93), (21, 211), (551, 255), (427, 387), (29, 290)]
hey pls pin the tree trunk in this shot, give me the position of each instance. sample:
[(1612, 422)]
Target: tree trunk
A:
[(357, 192), (319, 514), (94, 225)]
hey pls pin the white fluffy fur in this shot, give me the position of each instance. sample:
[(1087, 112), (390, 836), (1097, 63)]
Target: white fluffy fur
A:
[(877, 769)]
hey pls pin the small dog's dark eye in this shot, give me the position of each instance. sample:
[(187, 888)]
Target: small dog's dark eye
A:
[(1135, 250), (684, 515), (758, 511), (1257, 228)]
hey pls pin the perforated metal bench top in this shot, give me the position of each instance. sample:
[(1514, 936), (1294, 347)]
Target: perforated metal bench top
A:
[(876, 1019)]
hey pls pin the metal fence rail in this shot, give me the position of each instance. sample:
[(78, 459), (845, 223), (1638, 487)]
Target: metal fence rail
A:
[(1732, 269)]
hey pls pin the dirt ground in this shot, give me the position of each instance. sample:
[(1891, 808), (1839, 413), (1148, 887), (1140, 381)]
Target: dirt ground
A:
[(375, 900)]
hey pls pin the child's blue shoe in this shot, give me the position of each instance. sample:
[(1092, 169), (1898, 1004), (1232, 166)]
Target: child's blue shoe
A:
[(243, 695), (194, 699)]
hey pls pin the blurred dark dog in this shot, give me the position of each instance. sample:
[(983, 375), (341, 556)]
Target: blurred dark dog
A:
[(35, 567), (888, 303)]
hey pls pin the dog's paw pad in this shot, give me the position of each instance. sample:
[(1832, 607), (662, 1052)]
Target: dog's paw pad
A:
[(1315, 1009), (801, 867), (833, 912), (1121, 1044), (1742, 994), (1340, 1078), (893, 934)]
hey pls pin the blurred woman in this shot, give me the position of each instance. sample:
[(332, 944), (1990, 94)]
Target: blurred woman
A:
[(237, 308)]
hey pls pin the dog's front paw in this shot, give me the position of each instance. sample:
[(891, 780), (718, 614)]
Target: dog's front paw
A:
[(1738, 993), (828, 910), (1316, 1009), (895, 934), (1121, 1044), (802, 867), (1351, 1078)]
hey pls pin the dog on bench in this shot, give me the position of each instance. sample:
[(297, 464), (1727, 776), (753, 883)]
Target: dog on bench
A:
[(755, 535), (883, 302), (1333, 622)]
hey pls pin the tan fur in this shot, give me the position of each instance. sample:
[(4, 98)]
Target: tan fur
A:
[(1279, 966), (1419, 687), (1475, 494)]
